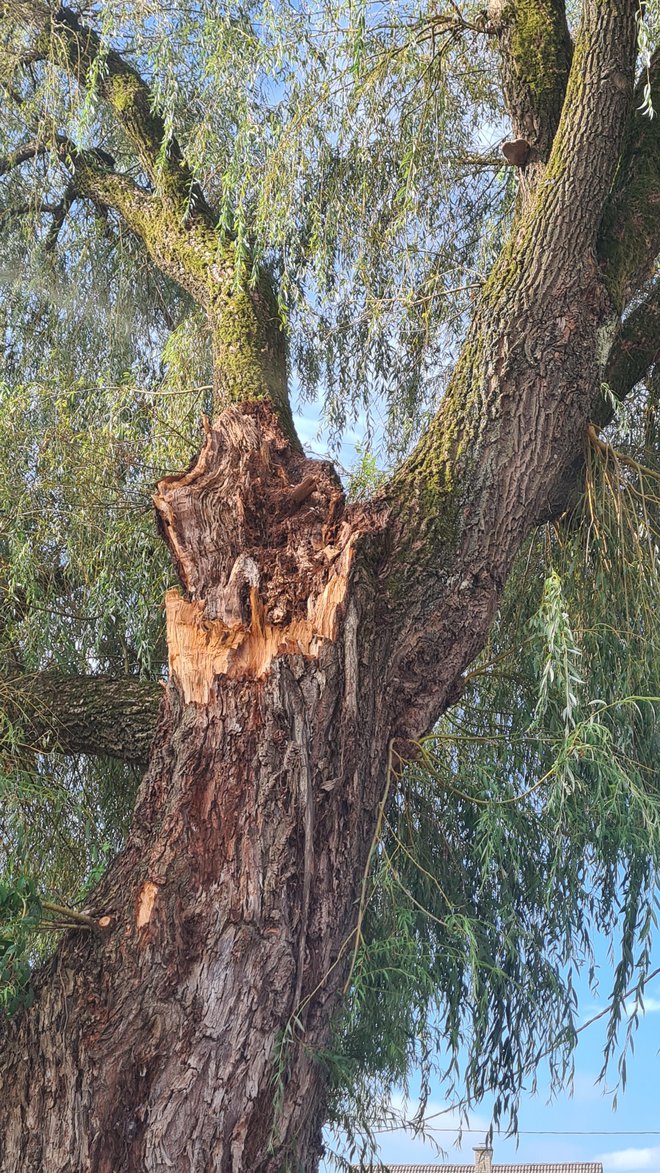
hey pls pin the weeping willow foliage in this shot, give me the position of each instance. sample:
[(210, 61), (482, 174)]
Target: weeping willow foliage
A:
[(352, 148), (528, 822), (82, 576)]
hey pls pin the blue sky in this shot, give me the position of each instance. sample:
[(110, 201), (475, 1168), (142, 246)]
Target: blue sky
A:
[(585, 1124), (626, 1139), (588, 1107)]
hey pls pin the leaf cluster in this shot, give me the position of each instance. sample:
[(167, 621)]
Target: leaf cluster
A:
[(524, 826)]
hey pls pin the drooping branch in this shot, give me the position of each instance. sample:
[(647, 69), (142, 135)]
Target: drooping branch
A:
[(77, 47), (535, 52), (59, 214), (102, 715), (630, 239)]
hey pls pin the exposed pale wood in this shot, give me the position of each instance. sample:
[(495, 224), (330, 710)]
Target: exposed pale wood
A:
[(202, 649), (145, 903)]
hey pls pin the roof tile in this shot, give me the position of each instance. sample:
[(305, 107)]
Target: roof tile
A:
[(569, 1167)]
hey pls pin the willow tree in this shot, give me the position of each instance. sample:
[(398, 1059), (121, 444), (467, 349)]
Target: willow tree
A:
[(339, 819)]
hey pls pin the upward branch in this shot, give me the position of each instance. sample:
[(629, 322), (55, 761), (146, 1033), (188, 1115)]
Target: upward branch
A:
[(598, 99), (535, 52), (499, 454), (174, 221), (67, 41)]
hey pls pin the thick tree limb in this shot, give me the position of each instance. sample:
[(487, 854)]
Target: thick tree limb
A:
[(536, 52), (635, 351), (630, 239), (458, 508), (190, 253), (185, 253), (249, 346), (105, 715), (588, 141), (66, 40), (175, 223)]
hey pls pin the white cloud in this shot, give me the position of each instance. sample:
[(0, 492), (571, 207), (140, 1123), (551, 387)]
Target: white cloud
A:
[(651, 1006), (590, 1010), (400, 1146), (625, 1159)]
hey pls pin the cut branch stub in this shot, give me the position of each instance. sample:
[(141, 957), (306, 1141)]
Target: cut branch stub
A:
[(516, 152), (262, 547)]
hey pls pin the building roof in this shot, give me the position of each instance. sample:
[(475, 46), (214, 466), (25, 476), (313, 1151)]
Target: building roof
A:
[(567, 1167)]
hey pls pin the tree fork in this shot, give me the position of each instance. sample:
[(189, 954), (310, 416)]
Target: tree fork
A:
[(191, 1034)]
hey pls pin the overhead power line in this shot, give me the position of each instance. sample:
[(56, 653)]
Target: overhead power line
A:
[(556, 1131), (542, 1055)]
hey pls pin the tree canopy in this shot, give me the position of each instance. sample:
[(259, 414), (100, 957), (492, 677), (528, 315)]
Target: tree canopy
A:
[(341, 166)]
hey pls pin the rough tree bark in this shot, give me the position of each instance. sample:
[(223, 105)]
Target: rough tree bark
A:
[(107, 715), (312, 643)]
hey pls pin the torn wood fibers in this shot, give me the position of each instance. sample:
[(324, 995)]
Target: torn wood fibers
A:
[(263, 548)]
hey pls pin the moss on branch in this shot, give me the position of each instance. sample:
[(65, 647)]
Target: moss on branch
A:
[(536, 52), (630, 236), (78, 48)]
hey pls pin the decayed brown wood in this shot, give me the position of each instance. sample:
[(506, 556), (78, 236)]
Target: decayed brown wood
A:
[(278, 570)]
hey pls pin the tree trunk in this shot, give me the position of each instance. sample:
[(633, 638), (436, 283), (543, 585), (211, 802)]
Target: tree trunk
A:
[(187, 1032), (231, 906)]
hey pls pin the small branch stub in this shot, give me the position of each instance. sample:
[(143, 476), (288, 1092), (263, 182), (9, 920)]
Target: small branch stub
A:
[(516, 152)]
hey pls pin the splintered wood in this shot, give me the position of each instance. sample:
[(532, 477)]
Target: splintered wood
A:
[(201, 649)]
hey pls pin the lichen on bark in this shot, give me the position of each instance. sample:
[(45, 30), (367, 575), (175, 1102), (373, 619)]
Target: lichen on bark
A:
[(535, 54)]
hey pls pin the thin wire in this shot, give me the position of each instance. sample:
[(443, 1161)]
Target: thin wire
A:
[(549, 1132), (529, 1067)]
